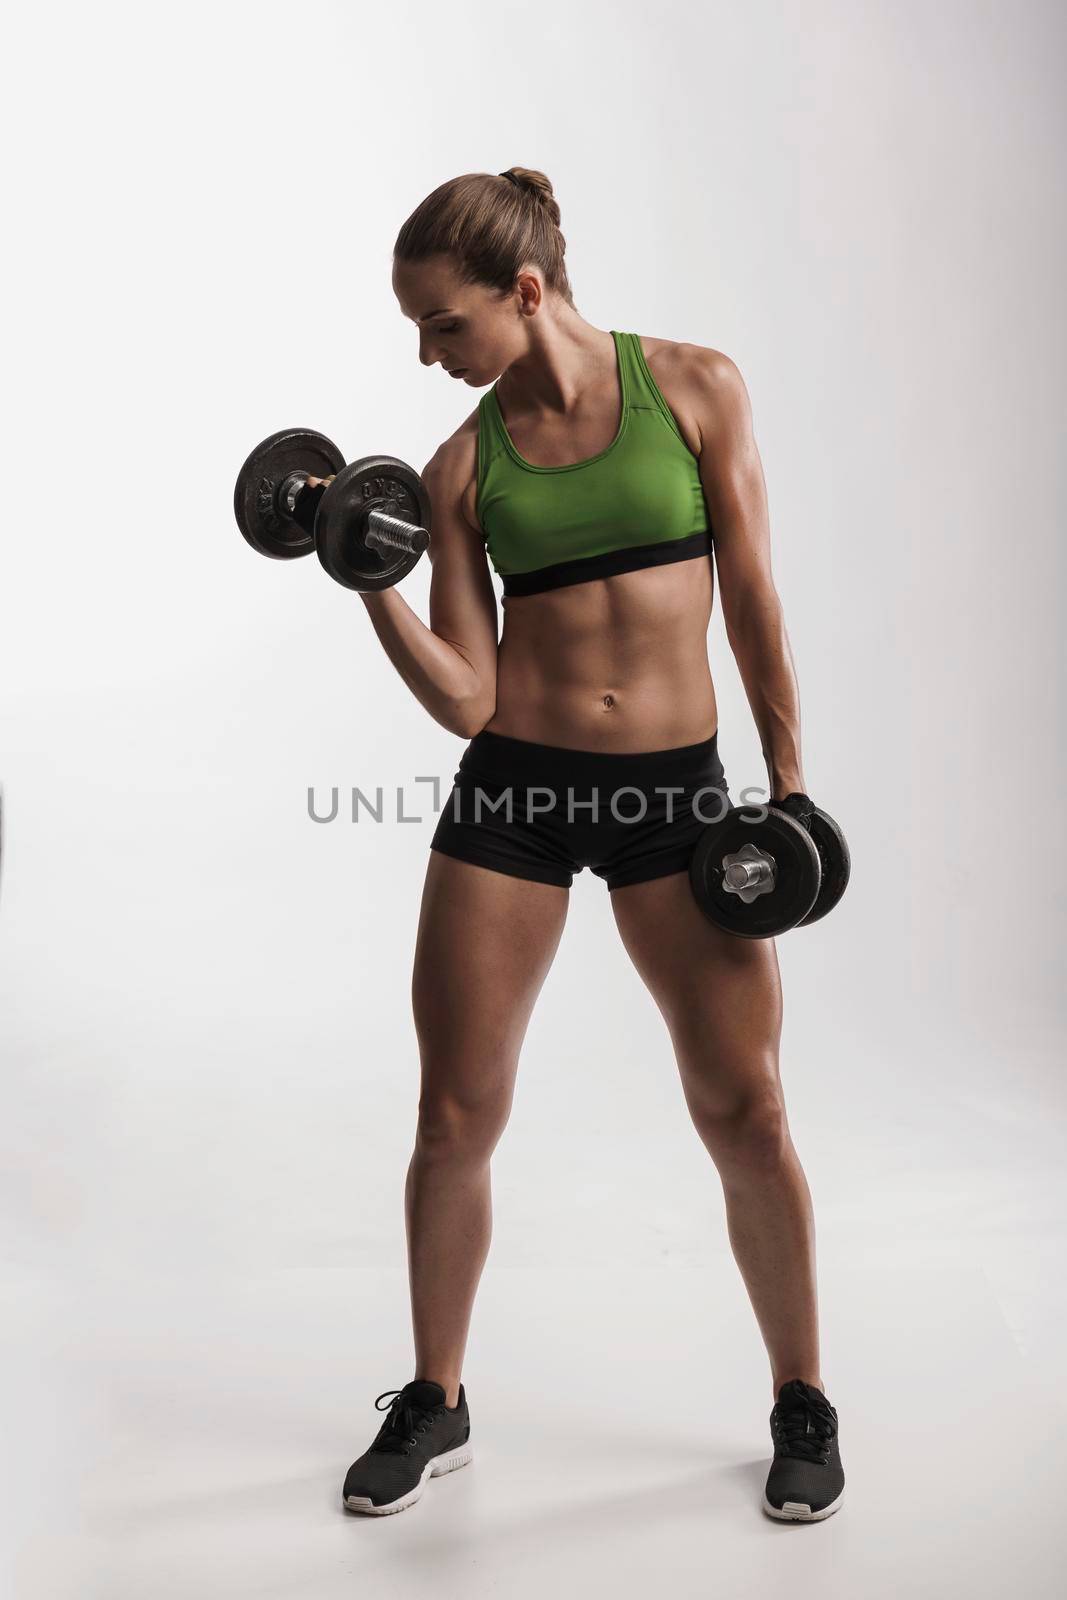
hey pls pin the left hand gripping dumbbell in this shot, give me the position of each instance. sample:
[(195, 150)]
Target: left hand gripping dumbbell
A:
[(369, 526), (758, 877)]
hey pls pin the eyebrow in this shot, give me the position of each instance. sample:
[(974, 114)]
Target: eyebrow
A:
[(442, 311)]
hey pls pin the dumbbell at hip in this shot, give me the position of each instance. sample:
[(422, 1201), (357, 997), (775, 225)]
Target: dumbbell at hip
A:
[(369, 526), (760, 877)]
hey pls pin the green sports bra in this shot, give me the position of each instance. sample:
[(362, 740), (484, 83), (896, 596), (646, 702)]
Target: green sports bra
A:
[(639, 503)]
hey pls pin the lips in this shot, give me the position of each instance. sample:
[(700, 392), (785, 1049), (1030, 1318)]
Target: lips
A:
[(458, 372)]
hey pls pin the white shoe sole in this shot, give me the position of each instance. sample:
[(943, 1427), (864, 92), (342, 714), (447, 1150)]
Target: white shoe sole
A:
[(799, 1511), (436, 1467)]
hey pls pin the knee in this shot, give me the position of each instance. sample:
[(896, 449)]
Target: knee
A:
[(465, 1126), (753, 1134)]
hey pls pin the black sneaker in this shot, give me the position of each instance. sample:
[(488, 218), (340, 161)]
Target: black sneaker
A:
[(806, 1481), (419, 1439)]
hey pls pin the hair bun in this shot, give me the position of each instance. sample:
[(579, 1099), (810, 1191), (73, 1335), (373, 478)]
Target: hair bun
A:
[(530, 181)]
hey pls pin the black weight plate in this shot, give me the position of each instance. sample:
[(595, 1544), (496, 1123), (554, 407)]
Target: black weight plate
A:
[(835, 861), (255, 498), (796, 873), (340, 529)]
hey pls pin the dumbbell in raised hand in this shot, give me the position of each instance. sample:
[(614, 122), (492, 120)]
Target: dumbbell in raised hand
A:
[(760, 877), (369, 526)]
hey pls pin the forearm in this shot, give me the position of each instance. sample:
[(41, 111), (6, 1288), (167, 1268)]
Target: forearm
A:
[(765, 662), (439, 677)]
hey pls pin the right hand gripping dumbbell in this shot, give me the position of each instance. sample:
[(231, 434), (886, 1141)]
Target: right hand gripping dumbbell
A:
[(369, 526)]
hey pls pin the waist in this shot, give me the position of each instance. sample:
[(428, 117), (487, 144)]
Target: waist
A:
[(502, 758), (665, 705)]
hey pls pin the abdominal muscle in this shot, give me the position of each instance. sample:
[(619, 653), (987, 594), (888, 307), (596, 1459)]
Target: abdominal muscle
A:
[(615, 664)]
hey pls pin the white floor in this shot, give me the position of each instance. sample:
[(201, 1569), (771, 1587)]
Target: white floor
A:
[(186, 1436)]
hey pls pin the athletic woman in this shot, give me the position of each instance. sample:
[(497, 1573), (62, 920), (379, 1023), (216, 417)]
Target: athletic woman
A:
[(598, 475)]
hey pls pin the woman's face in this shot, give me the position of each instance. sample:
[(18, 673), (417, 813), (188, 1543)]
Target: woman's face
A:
[(465, 328)]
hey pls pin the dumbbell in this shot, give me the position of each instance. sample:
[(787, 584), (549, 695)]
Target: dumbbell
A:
[(760, 877), (369, 526)]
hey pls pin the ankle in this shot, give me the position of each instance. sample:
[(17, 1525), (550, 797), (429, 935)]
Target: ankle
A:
[(449, 1385), (816, 1383)]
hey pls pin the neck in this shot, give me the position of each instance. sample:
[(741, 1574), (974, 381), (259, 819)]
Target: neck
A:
[(565, 355)]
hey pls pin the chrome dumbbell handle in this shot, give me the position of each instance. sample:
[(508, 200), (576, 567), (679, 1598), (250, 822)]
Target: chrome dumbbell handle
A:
[(386, 533), (748, 873)]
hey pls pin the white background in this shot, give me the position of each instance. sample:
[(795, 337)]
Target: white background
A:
[(209, 1068)]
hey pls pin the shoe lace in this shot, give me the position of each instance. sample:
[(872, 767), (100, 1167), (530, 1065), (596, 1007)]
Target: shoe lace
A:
[(405, 1421), (804, 1425)]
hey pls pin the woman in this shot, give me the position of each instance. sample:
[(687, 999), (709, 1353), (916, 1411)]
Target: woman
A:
[(593, 475)]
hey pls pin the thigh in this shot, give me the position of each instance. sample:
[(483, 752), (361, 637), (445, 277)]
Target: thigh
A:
[(719, 995), (485, 943)]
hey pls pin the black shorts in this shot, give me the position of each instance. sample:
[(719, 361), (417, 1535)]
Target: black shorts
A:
[(544, 812)]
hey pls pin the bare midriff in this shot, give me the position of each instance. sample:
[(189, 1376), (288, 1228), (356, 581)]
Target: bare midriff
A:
[(617, 664)]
